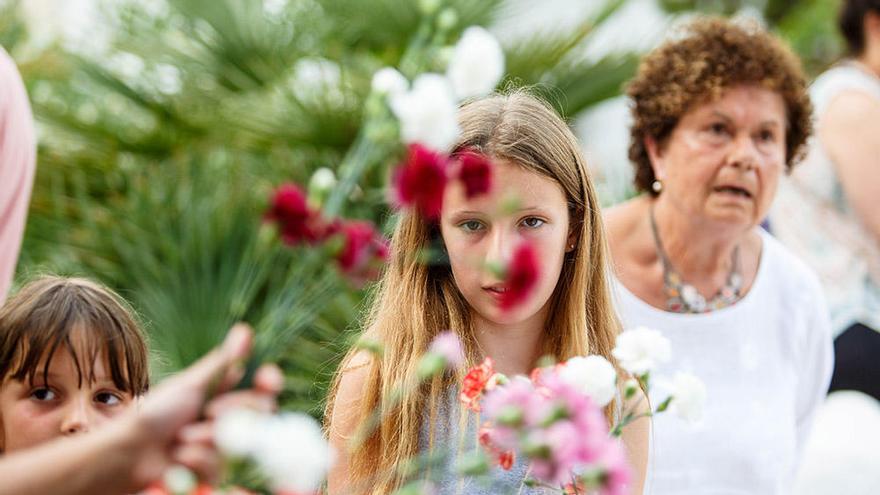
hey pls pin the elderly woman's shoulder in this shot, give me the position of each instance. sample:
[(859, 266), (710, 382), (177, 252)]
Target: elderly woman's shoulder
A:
[(622, 219), (789, 271)]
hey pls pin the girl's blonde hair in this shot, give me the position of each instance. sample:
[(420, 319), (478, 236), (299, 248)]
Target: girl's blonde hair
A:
[(415, 301)]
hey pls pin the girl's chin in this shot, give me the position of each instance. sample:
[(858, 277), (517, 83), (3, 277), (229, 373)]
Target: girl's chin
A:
[(510, 316)]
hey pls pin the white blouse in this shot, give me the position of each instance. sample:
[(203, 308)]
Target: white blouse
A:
[(766, 362)]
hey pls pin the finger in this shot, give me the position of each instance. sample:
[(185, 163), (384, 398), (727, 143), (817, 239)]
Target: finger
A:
[(205, 462), (197, 434), (269, 378), (246, 399), (233, 375), (209, 369)]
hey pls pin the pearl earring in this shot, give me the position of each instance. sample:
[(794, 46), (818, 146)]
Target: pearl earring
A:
[(657, 186)]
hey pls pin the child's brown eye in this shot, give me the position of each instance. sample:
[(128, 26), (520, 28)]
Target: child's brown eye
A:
[(108, 398), (43, 394)]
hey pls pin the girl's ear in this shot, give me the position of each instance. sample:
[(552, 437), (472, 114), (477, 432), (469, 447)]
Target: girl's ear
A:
[(571, 240)]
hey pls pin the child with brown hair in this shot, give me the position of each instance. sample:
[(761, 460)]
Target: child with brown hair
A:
[(71, 357)]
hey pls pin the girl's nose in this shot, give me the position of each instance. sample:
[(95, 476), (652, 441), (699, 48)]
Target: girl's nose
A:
[(501, 246)]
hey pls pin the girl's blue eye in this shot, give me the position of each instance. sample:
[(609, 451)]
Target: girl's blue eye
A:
[(471, 226), (533, 222), (108, 398), (43, 394)]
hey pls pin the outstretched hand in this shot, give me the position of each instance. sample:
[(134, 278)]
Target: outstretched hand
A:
[(175, 421)]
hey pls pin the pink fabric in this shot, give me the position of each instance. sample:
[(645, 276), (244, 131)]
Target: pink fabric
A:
[(17, 164)]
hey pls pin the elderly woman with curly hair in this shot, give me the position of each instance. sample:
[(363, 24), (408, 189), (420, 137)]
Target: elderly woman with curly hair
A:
[(720, 112)]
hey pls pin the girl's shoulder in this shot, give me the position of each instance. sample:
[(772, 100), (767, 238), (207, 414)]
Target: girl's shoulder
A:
[(348, 393)]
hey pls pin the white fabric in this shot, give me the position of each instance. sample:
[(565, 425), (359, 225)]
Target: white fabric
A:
[(811, 216), (841, 456), (766, 362)]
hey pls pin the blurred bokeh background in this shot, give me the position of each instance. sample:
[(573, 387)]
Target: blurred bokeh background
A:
[(164, 124)]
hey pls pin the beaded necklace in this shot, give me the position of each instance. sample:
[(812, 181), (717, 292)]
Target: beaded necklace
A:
[(682, 297)]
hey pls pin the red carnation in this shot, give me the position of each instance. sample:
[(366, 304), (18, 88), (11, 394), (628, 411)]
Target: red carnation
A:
[(476, 380), (475, 173), (420, 180), (363, 250), (522, 276), (296, 221), (504, 458)]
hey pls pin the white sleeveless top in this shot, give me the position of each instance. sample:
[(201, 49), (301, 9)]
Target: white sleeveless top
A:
[(812, 217)]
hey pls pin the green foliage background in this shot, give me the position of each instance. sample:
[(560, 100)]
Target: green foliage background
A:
[(154, 180)]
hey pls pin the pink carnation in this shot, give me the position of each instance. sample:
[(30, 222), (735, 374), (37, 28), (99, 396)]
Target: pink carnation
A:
[(447, 345)]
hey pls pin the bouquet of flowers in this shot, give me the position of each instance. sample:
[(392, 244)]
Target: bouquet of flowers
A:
[(554, 417)]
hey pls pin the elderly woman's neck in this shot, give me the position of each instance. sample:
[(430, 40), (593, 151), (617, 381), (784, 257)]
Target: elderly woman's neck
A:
[(694, 246)]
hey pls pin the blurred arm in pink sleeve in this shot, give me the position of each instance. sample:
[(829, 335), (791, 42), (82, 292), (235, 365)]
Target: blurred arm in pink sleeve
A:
[(17, 164)]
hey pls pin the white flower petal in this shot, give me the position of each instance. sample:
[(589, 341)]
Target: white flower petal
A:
[(593, 376), (477, 63), (389, 81), (641, 349), (294, 454), (234, 432), (427, 113)]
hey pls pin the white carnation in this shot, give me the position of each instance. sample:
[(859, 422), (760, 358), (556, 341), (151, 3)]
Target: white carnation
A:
[(294, 454), (427, 112), (389, 81), (179, 480), (234, 432), (641, 349), (477, 63), (591, 375)]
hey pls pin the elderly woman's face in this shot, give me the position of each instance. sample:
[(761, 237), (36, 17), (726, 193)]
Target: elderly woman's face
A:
[(723, 160)]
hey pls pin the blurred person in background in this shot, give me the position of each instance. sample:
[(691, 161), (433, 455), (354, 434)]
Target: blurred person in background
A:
[(719, 112), (17, 164), (828, 211)]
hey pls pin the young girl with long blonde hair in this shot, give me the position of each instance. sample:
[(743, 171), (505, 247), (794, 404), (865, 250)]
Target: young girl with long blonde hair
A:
[(569, 313)]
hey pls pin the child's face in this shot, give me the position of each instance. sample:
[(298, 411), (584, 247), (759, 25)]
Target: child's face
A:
[(479, 232), (31, 414)]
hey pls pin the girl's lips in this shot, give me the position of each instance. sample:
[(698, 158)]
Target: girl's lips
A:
[(496, 291)]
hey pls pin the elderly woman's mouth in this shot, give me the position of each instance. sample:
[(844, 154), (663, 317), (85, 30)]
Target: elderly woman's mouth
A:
[(734, 191)]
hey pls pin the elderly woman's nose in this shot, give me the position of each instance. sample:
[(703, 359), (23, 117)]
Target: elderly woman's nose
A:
[(745, 153)]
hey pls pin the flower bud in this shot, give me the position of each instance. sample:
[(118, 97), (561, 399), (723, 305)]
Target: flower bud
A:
[(429, 7), (447, 19), (322, 182)]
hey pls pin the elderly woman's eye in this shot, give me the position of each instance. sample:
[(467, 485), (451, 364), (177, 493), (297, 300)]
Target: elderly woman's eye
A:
[(718, 128), (768, 136)]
